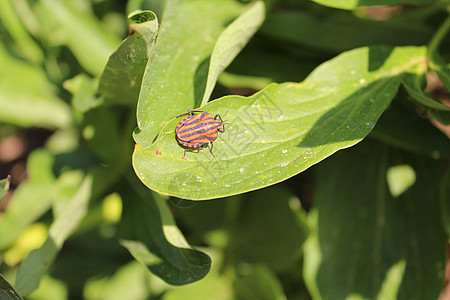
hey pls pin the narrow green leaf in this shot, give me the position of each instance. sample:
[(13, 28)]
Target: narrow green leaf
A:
[(175, 79), (436, 61), (258, 282), (444, 197), (88, 39), (368, 244), (443, 72), (92, 256), (30, 200), (26, 96), (352, 4), (6, 291), (268, 233), (122, 77), (4, 186), (152, 237), (230, 43), (37, 263), (441, 116), (83, 89), (70, 216), (35, 266), (413, 84), (12, 21), (283, 129)]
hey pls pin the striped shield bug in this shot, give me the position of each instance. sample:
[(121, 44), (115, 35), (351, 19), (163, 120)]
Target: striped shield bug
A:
[(196, 130)]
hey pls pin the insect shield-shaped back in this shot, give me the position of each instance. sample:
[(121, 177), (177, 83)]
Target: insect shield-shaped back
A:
[(196, 130)]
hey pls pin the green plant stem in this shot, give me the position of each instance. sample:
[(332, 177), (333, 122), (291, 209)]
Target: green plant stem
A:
[(433, 46)]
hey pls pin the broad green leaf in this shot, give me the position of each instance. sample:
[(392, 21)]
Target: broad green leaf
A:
[(216, 286), (259, 283), (352, 4), (90, 42), (341, 31), (230, 43), (92, 255), (401, 127), (268, 232), (30, 200), (26, 96), (152, 237), (51, 289), (365, 242), (7, 292), (83, 88), (4, 186), (400, 178), (202, 217), (210, 288), (259, 59), (175, 78), (282, 130), (122, 77), (131, 281), (37, 263), (31, 238), (102, 128)]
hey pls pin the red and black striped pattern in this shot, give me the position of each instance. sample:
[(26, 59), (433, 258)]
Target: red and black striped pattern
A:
[(195, 131)]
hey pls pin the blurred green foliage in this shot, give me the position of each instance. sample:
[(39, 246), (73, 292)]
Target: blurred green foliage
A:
[(370, 222)]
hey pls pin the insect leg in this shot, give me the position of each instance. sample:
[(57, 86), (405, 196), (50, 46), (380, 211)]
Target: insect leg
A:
[(223, 127), (189, 112), (210, 149), (200, 147), (218, 116)]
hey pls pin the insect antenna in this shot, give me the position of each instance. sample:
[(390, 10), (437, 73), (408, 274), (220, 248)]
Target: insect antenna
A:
[(227, 110), (221, 117), (226, 121)]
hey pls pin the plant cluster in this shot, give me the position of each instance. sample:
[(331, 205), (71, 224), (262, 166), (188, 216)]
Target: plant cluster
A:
[(111, 208)]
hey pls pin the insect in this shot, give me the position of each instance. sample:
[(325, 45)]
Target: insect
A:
[(195, 131)]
